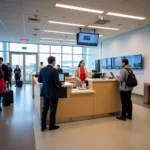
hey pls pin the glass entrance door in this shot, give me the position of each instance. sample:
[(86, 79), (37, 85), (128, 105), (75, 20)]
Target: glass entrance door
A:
[(27, 63)]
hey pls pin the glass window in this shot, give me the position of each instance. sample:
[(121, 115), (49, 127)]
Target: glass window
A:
[(19, 47), (1, 46), (77, 50), (67, 64), (58, 58), (44, 48), (43, 58), (67, 49), (76, 60), (55, 49), (5, 56)]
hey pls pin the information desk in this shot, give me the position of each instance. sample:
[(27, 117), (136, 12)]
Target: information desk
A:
[(102, 98)]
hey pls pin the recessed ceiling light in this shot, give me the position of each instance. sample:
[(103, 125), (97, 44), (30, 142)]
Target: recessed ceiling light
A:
[(58, 32), (68, 43), (104, 28), (56, 39), (49, 41), (79, 8), (65, 23), (126, 16)]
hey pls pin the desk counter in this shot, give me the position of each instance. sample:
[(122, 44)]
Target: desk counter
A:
[(102, 98)]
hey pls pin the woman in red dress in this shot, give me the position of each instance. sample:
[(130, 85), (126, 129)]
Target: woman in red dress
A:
[(2, 86), (81, 72)]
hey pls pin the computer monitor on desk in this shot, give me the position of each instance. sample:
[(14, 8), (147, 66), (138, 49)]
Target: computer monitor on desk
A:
[(98, 75), (61, 77), (66, 74)]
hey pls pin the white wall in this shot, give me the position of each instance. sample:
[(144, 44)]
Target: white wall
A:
[(94, 53), (136, 42)]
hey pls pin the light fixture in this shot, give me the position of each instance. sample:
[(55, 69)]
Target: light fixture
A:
[(80, 8), (65, 23), (49, 41), (43, 38), (126, 16), (104, 28), (58, 32), (100, 35)]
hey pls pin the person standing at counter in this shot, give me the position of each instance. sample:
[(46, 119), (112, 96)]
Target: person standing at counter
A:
[(81, 72), (125, 91), (49, 77)]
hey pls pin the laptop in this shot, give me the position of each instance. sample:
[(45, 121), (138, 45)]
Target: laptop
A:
[(112, 75), (61, 77)]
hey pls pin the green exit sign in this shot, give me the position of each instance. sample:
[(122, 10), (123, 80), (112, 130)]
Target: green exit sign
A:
[(24, 48)]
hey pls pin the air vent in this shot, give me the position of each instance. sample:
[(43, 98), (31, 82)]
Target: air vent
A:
[(34, 34), (102, 21), (35, 20), (36, 29)]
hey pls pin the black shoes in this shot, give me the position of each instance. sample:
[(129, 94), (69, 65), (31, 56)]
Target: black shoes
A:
[(121, 118), (54, 127), (128, 117), (43, 129), (50, 128)]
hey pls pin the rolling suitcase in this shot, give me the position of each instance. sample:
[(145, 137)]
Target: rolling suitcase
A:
[(19, 84), (8, 98)]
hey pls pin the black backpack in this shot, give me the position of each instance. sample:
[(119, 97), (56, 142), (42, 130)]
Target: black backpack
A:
[(131, 79)]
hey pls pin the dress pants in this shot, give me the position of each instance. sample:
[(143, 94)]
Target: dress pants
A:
[(9, 82), (126, 103), (52, 104)]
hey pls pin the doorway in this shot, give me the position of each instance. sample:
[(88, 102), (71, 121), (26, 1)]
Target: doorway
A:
[(27, 63)]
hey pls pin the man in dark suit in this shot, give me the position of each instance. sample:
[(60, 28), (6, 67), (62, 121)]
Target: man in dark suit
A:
[(59, 69), (49, 77), (4, 69)]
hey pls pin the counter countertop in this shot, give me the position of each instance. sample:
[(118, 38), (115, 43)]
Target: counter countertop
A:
[(76, 91), (101, 80), (67, 84)]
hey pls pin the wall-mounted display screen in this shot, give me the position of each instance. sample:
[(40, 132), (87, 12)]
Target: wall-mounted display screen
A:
[(135, 61), (89, 39), (109, 63), (116, 62), (104, 64)]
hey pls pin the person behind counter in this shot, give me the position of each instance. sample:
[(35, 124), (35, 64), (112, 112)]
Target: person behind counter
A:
[(59, 69), (49, 77), (41, 66), (81, 73), (125, 91)]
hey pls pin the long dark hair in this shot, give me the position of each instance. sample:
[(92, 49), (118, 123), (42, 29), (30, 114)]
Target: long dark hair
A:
[(80, 63), (1, 73)]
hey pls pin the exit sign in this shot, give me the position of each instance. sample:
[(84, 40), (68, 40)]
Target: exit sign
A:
[(24, 48)]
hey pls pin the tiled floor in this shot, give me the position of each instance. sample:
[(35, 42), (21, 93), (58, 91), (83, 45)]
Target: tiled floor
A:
[(17, 131), (100, 134)]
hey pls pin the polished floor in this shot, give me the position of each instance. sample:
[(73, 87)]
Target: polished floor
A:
[(20, 129)]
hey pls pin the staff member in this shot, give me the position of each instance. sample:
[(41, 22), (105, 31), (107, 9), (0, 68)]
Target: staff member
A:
[(4, 69), (125, 91), (81, 73), (59, 69), (49, 77), (17, 72)]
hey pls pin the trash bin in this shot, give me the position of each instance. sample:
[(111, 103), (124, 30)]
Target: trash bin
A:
[(147, 93)]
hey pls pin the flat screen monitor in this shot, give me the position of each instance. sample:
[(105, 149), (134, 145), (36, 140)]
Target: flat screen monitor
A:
[(116, 62), (109, 63), (61, 77), (135, 61), (104, 64), (88, 39)]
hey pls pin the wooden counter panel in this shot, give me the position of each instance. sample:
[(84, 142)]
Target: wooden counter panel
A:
[(106, 98)]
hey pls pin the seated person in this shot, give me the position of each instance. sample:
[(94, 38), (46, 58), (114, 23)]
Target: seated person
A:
[(59, 69)]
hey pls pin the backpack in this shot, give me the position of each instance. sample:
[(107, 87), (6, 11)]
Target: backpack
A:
[(131, 79)]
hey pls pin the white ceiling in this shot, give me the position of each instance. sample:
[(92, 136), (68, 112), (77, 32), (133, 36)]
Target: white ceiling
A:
[(14, 15)]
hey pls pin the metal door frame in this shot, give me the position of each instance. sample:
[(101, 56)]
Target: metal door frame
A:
[(24, 69)]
